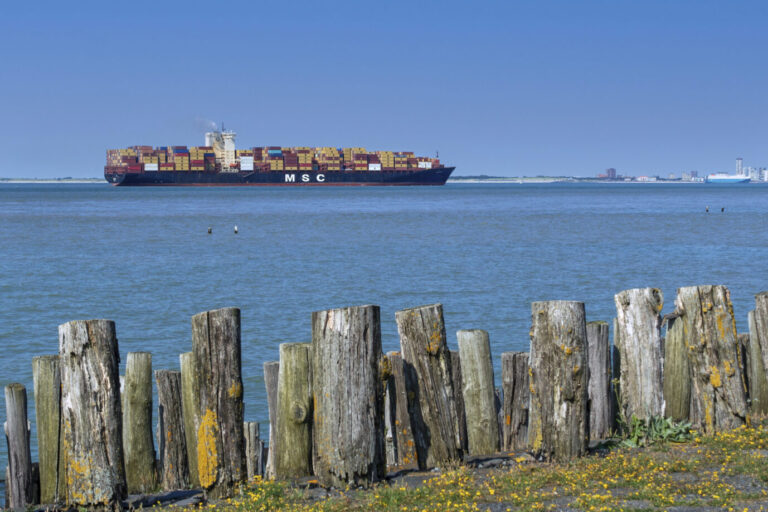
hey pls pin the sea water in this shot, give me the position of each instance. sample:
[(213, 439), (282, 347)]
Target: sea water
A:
[(143, 258)]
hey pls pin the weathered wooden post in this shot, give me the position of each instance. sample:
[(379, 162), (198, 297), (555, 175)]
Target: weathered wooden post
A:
[(638, 313), (254, 450), (405, 445), (743, 347), (478, 392), (173, 469), (390, 440), (293, 436), (600, 400), (756, 376), (761, 324), (90, 413), (348, 428), (677, 372), (19, 483), (710, 336), (558, 425), (190, 400), (47, 382), (758, 340), (458, 385), (424, 348), (220, 440), (271, 373), (138, 447), (516, 396)]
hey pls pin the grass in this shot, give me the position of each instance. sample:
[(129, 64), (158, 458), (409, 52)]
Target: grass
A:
[(728, 470)]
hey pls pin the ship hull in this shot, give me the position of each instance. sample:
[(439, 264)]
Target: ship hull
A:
[(436, 176), (720, 181)]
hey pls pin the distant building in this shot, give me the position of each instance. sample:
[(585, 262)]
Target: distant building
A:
[(764, 175), (646, 179), (686, 176), (671, 176), (611, 173), (739, 165), (694, 174)]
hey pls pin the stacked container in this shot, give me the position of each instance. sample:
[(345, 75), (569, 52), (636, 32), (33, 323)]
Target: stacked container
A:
[(274, 158), (305, 159), (291, 160), (328, 159), (401, 161), (180, 155), (387, 159)]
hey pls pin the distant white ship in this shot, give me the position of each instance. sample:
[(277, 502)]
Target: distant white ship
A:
[(722, 177)]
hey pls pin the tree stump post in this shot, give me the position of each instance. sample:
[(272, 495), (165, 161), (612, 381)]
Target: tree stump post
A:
[(348, 393), (271, 373), (558, 421), (710, 337), (190, 400), (677, 372), (90, 413), (173, 468), (254, 449), (458, 385), (478, 392), (405, 446), (758, 332), (424, 348), (516, 396), (138, 446), (19, 483), (638, 313), (47, 383), (755, 368), (293, 439), (600, 410), (220, 439)]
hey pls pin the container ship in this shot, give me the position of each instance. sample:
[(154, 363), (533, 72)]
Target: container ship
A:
[(219, 163)]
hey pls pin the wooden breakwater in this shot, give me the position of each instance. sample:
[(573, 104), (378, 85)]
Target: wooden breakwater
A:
[(341, 410)]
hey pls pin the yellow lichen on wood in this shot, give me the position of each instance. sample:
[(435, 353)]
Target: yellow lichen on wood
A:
[(530, 380), (720, 328), (714, 377), (385, 368), (235, 390), (207, 454), (435, 340)]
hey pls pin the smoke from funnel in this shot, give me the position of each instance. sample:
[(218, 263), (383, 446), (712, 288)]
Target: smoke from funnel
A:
[(205, 124)]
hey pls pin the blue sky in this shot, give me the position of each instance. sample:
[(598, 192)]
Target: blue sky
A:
[(503, 88)]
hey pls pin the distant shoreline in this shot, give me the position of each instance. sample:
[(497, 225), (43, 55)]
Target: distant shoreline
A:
[(53, 180), (527, 180)]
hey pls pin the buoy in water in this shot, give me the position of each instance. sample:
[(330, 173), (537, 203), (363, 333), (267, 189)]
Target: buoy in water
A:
[(235, 229), (210, 230)]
